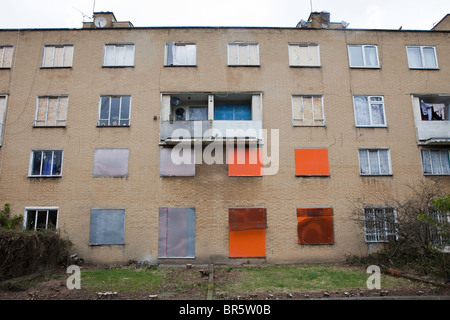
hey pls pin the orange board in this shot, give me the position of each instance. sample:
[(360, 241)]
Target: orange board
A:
[(245, 162), (247, 243), (315, 225), (311, 162)]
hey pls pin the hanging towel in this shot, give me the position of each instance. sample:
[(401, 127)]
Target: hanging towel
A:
[(439, 109), (426, 109)]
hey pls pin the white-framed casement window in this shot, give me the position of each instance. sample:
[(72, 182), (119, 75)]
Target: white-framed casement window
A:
[(180, 54), (374, 162), (51, 111), (422, 57), (40, 218), (435, 162), (114, 111), (3, 101), (369, 111), (380, 224), (6, 55), (308, 110), (243, 54), (304, 55), (57, 56), (118, 55), (363, 56), (45, 163)]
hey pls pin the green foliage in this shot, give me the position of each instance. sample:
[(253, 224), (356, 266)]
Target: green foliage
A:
[(6, 221)]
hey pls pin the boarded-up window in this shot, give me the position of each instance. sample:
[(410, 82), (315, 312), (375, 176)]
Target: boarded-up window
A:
[(111, 162), (176, 235), (311, 162), (177, 162), (51, 111), (6, 54), (245, 161), (57, 56), (107, 227), (304, 55), (315, 225), (247, 232), (181, 54), (308, 110), (243, 54)]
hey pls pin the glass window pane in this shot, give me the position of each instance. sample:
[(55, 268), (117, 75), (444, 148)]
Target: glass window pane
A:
[(57, 162), (371, 56), (119, 59), (31, 219), (374, 162), (191, 52), (41, 222), (356, 56), (52, 219), (436, 162), (104, 108), (362, 110), (429, 57), (115, 107), (242, 112), (414, 57), (426, 163), (129, 55), (377, 114), (125, 108), (445, 161), (384, 161), (364, 162), (198, 113), (109, 58), (36, 166), (223, 112), (47, 159)]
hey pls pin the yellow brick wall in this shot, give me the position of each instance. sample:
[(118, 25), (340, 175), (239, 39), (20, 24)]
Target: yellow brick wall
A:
[(211, 191)]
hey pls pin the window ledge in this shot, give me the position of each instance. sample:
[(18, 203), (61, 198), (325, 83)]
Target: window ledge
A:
[(371, 126), (46, 177), (376, 175), (427, 68), (36, 126), (244, 65), (300, 66), (180, 65), (112, 126), (62, 67), (362, 67)]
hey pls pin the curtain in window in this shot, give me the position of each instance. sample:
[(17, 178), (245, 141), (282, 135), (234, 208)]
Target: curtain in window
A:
[(371, 56), (414, 57), (429, 57), (362, 110), (377, 111)]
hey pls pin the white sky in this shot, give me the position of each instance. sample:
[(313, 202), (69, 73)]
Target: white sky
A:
[(371, 14)]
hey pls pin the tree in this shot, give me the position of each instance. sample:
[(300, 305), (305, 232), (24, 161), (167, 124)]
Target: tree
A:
[(6, 221)]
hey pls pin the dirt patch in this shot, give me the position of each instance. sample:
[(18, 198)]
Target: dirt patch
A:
[(193, 284)]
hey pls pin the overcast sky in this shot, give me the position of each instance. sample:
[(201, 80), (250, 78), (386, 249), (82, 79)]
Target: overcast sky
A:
[(372, 14)]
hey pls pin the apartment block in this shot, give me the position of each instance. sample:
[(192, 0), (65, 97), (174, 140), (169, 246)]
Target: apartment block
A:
[(220, 144)]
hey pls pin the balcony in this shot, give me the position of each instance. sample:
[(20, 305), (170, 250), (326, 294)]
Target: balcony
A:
[(432, 119), (208, 117)]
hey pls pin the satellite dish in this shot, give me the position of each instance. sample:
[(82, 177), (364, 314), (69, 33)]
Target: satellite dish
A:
[(175, 101), (303, 23), (345, 24), (100, 22)]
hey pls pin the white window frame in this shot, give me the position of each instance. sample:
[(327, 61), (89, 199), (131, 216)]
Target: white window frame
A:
[(62, 121), (365, 65), (176, 58), (434, 172), (116, 63), (40, 175), (3, 49), (243, 46), (109, 112), (422, 57), (25, 220), (371, 124), (65, 63), (370, 173), (3, 107), (297, 45), (385, 232), (296, 121)]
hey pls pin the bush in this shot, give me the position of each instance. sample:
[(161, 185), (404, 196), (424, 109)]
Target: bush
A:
[(26, 252)]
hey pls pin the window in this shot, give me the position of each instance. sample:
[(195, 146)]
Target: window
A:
[(3, 100), (363, 56), (118, 55), (438, 233), (243, 54), (315, 225), (176, 162), (374, 162), (245, 161), (180, 54), (247, 232), (233, 112), (107, 227), (51, 111), (304, 55), (111, 162), (59, 56), (311, 162), (307, 111), (435, 162), (46, 163), (369, 111), (6, 54), (190, 113), (41, 218), (114, 111), (379, 224), (176, 233), (422, 57)]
